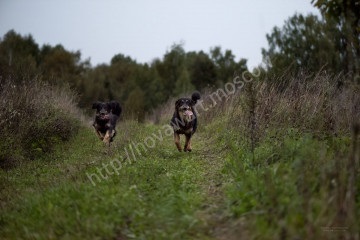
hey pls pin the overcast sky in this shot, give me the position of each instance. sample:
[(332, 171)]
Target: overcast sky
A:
[(145, 30)]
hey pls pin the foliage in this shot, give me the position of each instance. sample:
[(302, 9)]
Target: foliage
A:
[(290, 189), (304, 44), (346, 15), (225, 64), (18, 55), (123, 79), (59, 67), (307, 43), (33, 118), (21, 59), (292, 158)]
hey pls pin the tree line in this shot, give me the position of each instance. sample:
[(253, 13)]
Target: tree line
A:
[(142, 86)]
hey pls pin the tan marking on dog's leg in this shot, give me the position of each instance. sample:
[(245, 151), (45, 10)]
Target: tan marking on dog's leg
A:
[(98, 133), (187, 146), (101, 136), (177, 141), (107, 137)]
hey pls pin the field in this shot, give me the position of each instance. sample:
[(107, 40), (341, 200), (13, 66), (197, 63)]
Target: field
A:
[(269, 162)]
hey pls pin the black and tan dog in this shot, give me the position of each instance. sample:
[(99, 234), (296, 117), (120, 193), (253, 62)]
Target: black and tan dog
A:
[(184, 120), (106, 117)]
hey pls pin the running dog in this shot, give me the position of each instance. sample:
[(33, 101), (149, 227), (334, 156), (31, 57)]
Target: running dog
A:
[(184, 120), (106, 117)]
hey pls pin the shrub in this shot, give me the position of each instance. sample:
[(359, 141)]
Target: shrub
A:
[(33, 118)]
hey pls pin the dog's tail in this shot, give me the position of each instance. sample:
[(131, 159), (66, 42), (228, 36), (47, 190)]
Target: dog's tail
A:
[(195, 96)]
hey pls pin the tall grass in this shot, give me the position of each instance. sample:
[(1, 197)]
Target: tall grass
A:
[(294, 157), (33, 118)]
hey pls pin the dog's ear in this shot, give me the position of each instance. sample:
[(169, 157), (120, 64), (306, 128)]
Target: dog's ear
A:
[(95, 105), (195, 97), (115, 107), (177, 103)]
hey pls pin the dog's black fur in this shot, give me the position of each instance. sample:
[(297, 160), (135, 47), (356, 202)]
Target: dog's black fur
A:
[(107, 114), (183, 123)]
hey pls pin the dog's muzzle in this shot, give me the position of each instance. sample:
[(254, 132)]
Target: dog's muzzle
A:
[(104, 116), (188, 115)]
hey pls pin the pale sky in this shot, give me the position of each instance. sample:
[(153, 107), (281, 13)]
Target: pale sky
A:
[(145, 30)]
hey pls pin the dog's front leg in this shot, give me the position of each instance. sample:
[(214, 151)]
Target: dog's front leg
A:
[(98, 133), (177, 141), (107, 137), (187, 146)]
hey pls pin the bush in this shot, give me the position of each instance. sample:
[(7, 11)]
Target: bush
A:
[(33, 118)]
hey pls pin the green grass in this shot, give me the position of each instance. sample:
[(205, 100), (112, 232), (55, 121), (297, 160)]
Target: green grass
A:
[(288, 187), (158, 196)]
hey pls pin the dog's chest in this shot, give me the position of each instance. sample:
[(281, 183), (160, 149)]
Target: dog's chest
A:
[(184, 130), (102, 126)]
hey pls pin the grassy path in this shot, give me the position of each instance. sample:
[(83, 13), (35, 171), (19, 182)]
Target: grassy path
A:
[(164, 194), (160, 193)]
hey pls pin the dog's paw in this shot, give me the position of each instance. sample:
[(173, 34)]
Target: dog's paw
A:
[(106, 140), (187, 149)]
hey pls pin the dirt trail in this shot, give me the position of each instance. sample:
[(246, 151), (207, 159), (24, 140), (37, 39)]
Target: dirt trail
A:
[(215, 215)]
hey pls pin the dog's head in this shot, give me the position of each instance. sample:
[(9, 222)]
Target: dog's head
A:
[(184, 107), (103, 110)]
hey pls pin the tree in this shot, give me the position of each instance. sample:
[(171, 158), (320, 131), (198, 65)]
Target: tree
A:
[(170, 68), (155, 91), (122, 76), (60, 66), (226, 65), (136, 103), (346, 14), (183, 83), (19, 56), (202, 70), (121, 58), (141, 86), (304, 43), (94, 86)]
